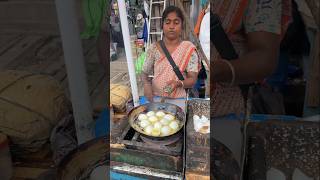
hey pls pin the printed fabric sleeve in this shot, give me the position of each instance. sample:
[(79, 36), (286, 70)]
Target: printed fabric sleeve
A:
[(194, 63), (263, 15)]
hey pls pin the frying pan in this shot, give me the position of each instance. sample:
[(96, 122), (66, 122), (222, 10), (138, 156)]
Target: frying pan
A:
[(156, 106)]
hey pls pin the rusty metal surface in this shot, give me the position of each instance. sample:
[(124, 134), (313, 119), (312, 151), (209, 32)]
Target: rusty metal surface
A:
[(197, 144), (288, 145), (224, 164), (146, 159)]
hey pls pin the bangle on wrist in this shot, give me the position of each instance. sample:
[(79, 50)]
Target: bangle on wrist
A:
[(232, 71), (181, 82)]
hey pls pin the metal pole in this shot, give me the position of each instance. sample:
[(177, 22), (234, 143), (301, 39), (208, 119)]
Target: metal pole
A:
[(127, 45), (75, 66)]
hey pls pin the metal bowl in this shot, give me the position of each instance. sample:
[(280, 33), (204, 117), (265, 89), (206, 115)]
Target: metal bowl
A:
[(167, 108)]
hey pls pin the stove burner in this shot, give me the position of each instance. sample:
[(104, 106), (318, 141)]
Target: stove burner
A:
[(171, 145)]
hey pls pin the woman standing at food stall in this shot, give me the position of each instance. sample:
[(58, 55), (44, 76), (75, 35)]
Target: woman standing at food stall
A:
[(158, 75)]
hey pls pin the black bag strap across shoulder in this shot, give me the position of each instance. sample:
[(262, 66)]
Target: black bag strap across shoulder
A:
[(222, 43), (220, 39), (175, 68)]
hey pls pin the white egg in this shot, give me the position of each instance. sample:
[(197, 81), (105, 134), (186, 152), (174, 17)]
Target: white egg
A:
[(148, 130), (204, 118), (155, 132), (157, 125), (144, 123), (150, 113), (153, 119), (196, 117), (160, 114), (164, 121), (174, 125), (169, 117), (142, 117), (165, 130)]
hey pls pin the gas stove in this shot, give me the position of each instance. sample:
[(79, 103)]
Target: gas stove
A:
[(134, 155), (168, 146)]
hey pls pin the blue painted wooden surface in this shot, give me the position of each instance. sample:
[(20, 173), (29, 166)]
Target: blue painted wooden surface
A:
[(120, 176), (102, 126)]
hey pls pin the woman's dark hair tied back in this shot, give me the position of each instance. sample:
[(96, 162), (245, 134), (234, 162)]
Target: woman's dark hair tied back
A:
[(169, 10)]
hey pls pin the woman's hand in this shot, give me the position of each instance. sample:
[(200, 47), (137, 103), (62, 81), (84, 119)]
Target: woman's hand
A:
[(174, 84)]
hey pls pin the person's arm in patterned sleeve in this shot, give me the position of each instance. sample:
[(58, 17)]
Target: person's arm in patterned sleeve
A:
[(192, 71), (147, 71), (262, 24)]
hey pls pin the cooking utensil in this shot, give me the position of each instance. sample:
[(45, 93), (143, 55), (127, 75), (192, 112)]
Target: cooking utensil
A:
[(165, 107)]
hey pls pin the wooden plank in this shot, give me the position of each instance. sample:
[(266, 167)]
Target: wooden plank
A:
[(19, 51), (99, 95), (43, 56), (96, 87), (61, 75), (196, 176), (117, 79), (119, 66), (88, 45), (30, 56), (94, 70), (27, 173), (313, 85), (90, 51), (95, 74), (8, 40), (59, 65), (58, 69), (55, 66), (6, 47), (314, 6)]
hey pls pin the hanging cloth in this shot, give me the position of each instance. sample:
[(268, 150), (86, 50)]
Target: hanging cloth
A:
[(145, 30), (199, 20), (94, 13)]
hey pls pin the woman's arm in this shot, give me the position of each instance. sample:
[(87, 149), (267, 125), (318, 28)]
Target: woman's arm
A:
[(258, 63), (263, 27), (192, 73), (191, 80), (188, 82), (147, 87)]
